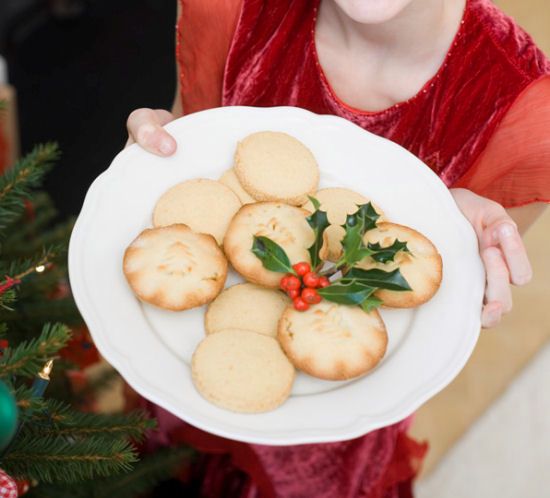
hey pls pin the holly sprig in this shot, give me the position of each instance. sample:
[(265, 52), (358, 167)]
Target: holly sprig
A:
[(318, 221), (271, 254), (349, 284)]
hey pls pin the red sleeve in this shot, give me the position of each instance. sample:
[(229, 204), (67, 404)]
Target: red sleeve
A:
[(514, 168), (204, 32)]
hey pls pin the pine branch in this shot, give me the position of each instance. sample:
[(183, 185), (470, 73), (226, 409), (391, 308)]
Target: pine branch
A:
[(19, 270), (146, 474), (27, 315), (27, 228), (56, 459), (7, 299), (28, 403), (58, 237), (29, 357), (16, 184), (65, 421), (153, 469)]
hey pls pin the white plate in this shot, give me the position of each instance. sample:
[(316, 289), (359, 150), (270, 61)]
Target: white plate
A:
[(151, 348)]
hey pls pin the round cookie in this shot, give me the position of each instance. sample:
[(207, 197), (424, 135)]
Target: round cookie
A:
[(175, 268), (246, 307), (332, 247), (229, 178), (286, 225), (333, 341), (338, 203), (422, 267), (273, 166), (206, 206), (242, 371)]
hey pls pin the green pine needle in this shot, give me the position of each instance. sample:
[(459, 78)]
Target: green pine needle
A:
[(22, 267), (29, 357), (65, 421), (27, 403), (154, 468), (17, 183), (58, 459)]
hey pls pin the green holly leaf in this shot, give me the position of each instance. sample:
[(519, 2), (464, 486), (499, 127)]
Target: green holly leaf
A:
[(271, 254), (318, 221), (351, 292), (314, 201), (368, 215), (391, 280), (356, 225), (384, 254), (371, 303), (354, 249)]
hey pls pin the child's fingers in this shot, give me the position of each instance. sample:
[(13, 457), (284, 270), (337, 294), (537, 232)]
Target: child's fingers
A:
[(145, 128), (511, 244), (498, 279), (491, 315)]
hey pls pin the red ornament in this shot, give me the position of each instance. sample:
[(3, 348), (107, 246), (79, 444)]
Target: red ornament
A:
[(302, 268), (7, 284), (22, 486), (4, 344), (80, 349), (8, 486), (311, 279), (29, 210)]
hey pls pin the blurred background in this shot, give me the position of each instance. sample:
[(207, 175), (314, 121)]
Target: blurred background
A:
[(78, 67)]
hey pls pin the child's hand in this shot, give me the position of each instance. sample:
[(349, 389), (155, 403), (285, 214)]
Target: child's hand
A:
[(145, 128), (501, 249)]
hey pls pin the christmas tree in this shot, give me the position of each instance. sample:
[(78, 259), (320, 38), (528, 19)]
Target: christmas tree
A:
[(49, 438)]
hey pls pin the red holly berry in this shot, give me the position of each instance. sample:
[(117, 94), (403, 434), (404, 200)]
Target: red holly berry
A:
[(311, 279), (293, 282), (300, 304), (302, 268), (284, 282), (324, 282), (293, 293), (310, 296)]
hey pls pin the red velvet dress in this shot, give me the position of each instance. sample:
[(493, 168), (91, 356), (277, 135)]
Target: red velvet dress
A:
[(481, 122)]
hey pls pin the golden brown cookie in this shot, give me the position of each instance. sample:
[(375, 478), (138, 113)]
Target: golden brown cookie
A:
[(175, 268), (205, 206), (246, 307), (286, 225), (338, 203), (242, 371), (333, 341), (229, 178), (332, 247), (274, 166), (422, 267)]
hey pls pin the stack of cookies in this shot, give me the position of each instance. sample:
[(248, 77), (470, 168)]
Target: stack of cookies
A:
[(255, 338)]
